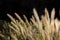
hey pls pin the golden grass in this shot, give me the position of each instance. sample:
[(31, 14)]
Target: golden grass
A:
[(48, 28)]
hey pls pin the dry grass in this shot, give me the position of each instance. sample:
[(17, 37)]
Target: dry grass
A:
[(48, 28)]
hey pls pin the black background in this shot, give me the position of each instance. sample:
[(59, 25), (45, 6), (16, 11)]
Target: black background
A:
[(25, 7)]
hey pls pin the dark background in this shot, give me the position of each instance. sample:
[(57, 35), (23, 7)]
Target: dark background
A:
[(25, 7)]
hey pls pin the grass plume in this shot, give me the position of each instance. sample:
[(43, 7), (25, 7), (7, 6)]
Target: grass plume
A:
[(48, 28)]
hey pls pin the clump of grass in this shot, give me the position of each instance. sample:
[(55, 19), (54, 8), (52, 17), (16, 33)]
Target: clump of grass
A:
[(48, 28), (34, 30)]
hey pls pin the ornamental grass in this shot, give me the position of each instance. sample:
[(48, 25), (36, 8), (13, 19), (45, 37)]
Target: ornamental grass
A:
[(46, 28)]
